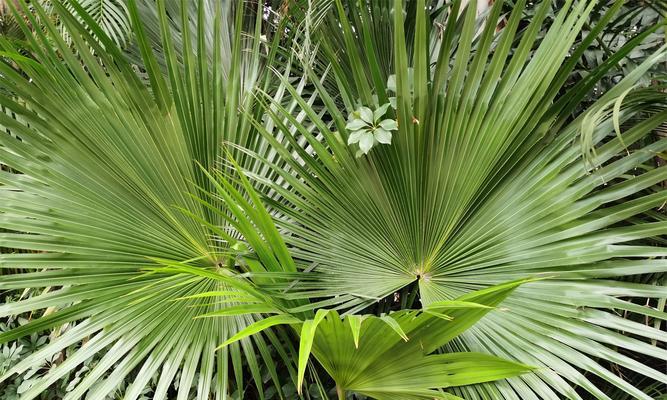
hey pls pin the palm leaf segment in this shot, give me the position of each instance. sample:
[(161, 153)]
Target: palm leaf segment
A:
[(111, 16)]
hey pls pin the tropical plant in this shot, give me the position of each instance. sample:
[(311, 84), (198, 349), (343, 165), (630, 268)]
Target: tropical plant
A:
[(109, 15), (222, 196), (390, 356)]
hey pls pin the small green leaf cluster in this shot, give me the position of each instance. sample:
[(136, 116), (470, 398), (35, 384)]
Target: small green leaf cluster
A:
[(369, 128)]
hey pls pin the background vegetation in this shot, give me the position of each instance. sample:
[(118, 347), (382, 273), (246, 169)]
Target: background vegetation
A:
[(176, 172)]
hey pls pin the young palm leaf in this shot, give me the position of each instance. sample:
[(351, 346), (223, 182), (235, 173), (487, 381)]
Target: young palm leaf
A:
[(393, 356)]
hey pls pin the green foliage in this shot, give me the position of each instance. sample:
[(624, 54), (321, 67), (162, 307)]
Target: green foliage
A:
[(390, 356), (111, 16), (203, 227), (368, 127)]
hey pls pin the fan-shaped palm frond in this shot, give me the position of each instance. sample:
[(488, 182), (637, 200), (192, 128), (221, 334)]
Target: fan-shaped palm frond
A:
[(106, 169), (484, 180)]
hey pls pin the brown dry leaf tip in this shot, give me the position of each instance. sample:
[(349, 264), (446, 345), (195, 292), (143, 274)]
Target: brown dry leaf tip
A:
[(284, 8), (415, 120), (441, 29)]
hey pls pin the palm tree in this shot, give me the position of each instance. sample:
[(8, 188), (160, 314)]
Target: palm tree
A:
[(334, 159)]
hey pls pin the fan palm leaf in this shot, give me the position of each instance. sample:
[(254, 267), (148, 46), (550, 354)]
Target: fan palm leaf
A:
[(97, 205), (485, 180)]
